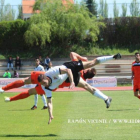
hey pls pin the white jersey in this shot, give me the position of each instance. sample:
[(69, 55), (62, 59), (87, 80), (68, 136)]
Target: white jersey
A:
[(39, 68), (56, 77)]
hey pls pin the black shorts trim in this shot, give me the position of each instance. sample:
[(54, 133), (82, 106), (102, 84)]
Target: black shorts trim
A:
[(49, 97), (59, 71), (76, 66), (137, 89), (48, 89)]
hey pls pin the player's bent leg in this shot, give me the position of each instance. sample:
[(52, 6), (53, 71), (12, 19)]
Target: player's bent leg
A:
[(85, 85), (14, 84), (35, 102), (41, 92), (99, 60), (32, 91), (94, 91), (27, 80), (20, 96), (1, 90), (44, 101), (89, 64), (136, 90)]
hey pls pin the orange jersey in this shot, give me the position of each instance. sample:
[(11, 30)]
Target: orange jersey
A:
[(82, 75), (34, 76), (39, 90), (136, 71)]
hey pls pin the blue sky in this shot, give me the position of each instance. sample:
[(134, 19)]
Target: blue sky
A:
[(17, 2), (119, 6), (13, 2), (111, 1), (110, 4)]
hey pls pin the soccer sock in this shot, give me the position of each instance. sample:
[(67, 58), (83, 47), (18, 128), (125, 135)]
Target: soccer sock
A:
[(104, 58), (44, 100), (36, 99), (22, 95), (100, 95), (15, 84)]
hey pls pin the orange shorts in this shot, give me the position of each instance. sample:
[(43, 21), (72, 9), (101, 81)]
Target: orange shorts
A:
[(136, 87), (39, 89), (34, 76), (64, 84)]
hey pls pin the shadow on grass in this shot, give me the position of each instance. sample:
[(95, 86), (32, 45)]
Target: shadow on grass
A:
[(20, 110), (49, 135), (123, 110)]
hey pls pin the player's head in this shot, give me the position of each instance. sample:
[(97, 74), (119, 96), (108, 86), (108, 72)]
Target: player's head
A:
[(137, 56), (89, 73), (50, 64), (44, 80), (37, 61)]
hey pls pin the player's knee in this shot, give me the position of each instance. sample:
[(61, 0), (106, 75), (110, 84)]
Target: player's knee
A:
[(27, 80), (96, 61), (86, 86), (32, 91)]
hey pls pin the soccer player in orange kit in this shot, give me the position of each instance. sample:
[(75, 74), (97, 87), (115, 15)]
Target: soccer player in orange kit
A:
[(78, 80), (136, 75)]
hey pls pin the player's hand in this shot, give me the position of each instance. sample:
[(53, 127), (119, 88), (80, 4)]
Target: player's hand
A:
[(50, 119), (72, 85)]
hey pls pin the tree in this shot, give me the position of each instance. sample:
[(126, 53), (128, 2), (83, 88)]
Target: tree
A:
[(124, 9), (19, 12), (103, 10), (7, 12), (106, 10), (92, 6), (1, 9), (115, 10), (37, 5), (62, 25), (134, 8)]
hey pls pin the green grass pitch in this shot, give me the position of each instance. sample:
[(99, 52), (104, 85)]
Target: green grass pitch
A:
[(77, 115)]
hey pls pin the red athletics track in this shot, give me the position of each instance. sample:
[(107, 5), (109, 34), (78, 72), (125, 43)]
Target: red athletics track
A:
[(79, 89)]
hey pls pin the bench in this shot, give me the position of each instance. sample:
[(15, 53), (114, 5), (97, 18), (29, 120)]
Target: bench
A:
[(119, 68)]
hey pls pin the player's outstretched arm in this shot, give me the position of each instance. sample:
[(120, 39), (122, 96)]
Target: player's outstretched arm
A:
[(50, 109), (75, 56), (68, 71)]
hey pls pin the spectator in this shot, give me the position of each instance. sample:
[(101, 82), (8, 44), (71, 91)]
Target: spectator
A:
[(10, 62), (15, 74), (17, 63), (7, 74), (41, 61), (48, 63)]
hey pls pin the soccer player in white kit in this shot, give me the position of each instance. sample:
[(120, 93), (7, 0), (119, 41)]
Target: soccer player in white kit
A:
[(52, 78), (39, 68)]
